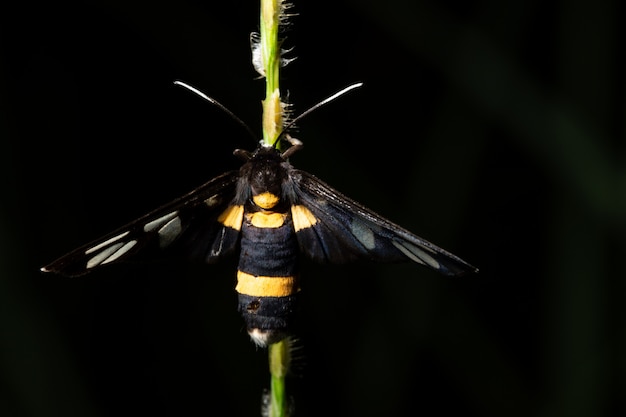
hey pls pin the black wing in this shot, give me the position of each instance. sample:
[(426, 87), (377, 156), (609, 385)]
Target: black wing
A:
[(187, 227), (345, 230)]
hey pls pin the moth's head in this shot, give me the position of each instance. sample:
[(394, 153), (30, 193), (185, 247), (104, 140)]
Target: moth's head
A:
[(263, 172), (264, 151)]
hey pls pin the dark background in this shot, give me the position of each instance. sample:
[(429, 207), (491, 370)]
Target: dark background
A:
[(494, 129)]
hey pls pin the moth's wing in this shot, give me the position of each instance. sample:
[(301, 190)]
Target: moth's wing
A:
[(187, 227), (343, 230)]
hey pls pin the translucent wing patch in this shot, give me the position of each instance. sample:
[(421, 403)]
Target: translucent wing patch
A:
[(345, 230), (186, 227)]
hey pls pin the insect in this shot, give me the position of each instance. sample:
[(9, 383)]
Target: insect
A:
[(267, 213)]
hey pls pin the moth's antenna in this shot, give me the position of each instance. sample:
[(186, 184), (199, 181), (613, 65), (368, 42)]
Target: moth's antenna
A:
[(219, 105), (315, 107)]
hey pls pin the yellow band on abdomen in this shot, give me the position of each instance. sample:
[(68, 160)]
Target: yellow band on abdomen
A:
[(260, 286), (266, 220)]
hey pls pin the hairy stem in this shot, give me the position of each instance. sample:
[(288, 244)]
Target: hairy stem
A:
[(270, 57)]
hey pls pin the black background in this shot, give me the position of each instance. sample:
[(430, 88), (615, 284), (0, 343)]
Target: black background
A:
[(494, 129)]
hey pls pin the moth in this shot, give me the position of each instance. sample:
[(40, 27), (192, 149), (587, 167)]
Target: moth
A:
[(269, 214)]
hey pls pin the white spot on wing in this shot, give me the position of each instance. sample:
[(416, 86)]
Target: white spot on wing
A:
[(99, 258), (363, 233), (121, 251), (416, 254), (169, 232), (105, 243), (155, 224), (213, 201)]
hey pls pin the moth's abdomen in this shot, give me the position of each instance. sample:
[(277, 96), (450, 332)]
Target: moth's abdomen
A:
[(267, 276)]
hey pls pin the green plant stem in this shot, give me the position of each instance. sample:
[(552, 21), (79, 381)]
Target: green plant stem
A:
[(270, 55), (279, 358)]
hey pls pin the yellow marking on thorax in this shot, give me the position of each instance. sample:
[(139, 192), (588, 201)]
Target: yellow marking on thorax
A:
[(302, 217), (266, 200), (266, 220), (260, 286), (232, 217)]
